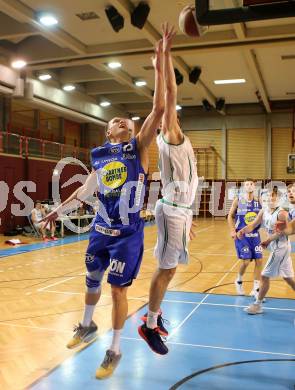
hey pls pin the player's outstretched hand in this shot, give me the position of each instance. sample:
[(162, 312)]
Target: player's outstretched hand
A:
[(192, 233), (168, 35)]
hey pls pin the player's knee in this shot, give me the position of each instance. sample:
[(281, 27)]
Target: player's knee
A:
[(118, 293), (264, 279), (258, 262), (93, 281), (168, 273)]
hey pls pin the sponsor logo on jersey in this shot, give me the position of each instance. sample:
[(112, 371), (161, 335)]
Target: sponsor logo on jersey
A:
[(115, 150), (251, 235), (117, 267), (249, 217), (106, 231), (89, 258), (114, 174), (127, 156), (128, 148)]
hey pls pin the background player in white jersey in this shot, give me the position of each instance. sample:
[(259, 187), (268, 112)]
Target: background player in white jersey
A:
[(244, 210), (290, 227), (279, 262), (173, 212)]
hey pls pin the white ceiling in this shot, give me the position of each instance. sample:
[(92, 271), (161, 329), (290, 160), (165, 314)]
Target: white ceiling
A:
[(252, 51)]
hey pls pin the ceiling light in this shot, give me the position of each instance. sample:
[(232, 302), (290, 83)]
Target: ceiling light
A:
[(44, 77), (230, 81), (48, 20), (135, 118), (140, 83), (68, 87), (105, 104), (114, 65), (18, 64), (178, 107)]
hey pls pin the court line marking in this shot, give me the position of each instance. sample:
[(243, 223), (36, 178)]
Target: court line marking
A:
[(198, 305), (34, 327), (215, 347), (56, 283), (73, 277), (174, 300)]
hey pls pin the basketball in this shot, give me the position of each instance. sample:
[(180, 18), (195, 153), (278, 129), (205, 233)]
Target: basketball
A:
[(188, 23)]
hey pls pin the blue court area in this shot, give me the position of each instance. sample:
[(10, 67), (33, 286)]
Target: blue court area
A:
[(213, 344), (20, 249)]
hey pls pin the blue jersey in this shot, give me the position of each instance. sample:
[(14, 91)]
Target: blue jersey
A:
[(249, 246), (121, 183), (246, 213)]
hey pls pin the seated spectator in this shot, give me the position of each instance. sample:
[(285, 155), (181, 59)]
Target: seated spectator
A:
[(37, 214)]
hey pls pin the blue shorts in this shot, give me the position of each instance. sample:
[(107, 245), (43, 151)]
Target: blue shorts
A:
[(249, 248), (120, 249)]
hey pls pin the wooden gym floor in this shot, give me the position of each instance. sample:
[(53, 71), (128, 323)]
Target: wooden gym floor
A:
[(42, 296)]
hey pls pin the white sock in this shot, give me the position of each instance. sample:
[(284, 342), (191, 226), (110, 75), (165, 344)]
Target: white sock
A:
[(88, 314), (152, 319), (258, 302), (115, 347), (256, 284), (239, 278)]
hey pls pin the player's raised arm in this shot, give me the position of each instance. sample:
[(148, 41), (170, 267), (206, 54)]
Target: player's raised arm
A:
[(80, 195), (249, 228), (170, 116), (149, 128)]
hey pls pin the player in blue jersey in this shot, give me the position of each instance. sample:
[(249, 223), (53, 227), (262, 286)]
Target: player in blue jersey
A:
[(119, 175), (244, 210)]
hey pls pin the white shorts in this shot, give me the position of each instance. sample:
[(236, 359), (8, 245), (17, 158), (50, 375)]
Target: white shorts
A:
[(174, 224), (279, 263)]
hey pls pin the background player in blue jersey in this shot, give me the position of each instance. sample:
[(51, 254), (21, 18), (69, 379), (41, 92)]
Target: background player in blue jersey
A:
[(244, 210), (119, 174)]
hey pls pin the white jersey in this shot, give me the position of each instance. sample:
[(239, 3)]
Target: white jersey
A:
[(279, 262), (38, 214), (269, 221), (177, 164)]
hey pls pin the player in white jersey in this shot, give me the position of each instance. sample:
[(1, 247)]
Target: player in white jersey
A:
[(279, 262), (290, 227), (173, 212)]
